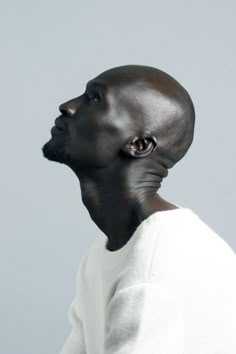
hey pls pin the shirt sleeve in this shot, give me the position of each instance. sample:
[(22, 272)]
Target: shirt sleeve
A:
[(144, 318), (75, 343)]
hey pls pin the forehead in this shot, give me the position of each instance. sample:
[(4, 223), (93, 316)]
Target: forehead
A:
[(137, 97), (117, 77), (138, 93), (139, 79), (121, 87)]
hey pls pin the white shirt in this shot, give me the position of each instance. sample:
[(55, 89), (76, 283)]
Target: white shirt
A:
[(171, 289)]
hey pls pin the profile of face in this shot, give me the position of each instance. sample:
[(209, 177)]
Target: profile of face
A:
[(118, 107), (93, 126)]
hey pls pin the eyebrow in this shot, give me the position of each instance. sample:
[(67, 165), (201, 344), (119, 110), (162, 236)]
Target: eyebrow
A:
[(96, 84)]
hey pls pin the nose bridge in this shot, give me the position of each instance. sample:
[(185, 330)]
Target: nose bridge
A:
[(69, 108)]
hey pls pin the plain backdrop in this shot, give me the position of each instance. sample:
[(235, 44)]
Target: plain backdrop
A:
[(49, 50)]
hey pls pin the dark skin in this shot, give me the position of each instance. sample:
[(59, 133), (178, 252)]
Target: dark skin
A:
[(120, 138)]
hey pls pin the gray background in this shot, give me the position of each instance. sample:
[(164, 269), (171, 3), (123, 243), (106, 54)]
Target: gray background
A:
[(50, 49)]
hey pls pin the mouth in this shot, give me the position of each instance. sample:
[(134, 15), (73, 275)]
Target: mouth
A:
[(58, 128), (56, 131)]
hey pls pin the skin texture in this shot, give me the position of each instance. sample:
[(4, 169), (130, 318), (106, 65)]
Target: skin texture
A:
[(120, 137)]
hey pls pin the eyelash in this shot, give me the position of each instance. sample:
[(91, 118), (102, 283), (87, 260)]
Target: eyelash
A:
[(93, 96)]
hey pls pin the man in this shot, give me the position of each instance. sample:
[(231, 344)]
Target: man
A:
[(158, 280)]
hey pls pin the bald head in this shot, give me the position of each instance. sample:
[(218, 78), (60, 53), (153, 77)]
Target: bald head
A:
[(159, 106)]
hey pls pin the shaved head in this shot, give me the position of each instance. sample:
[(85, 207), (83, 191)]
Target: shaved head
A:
[(158, 105)]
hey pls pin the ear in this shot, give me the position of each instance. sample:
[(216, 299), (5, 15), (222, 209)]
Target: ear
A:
[(140, 146)]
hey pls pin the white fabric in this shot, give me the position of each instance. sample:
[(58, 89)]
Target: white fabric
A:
[(170, 290)]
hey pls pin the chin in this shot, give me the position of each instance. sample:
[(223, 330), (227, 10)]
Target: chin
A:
[(54, 150)]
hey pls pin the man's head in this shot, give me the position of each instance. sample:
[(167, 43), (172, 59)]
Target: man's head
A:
[(127, 112)]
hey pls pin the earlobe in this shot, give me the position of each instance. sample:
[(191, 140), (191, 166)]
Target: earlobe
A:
[(140, 147)]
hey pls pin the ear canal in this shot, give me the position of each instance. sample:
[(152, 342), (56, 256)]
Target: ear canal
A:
[(144, 147), (140, 147)]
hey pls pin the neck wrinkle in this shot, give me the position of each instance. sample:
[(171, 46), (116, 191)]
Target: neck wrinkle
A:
[(121, 195)]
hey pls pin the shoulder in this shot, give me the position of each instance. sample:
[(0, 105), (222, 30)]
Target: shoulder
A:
[(187, 245)]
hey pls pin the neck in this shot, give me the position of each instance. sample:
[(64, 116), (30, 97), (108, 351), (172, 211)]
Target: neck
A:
[(119, 197)]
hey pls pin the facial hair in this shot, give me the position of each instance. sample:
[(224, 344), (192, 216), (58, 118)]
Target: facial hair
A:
[(54, 150)]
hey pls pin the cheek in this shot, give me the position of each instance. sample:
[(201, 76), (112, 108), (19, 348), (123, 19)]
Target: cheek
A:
[(105, 148), (98, 150), (94, 142)]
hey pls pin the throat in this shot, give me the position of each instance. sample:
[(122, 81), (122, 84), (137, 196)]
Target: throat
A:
[(119, 218), (118, 199)]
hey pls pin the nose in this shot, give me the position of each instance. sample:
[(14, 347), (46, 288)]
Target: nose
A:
[(68, 109)]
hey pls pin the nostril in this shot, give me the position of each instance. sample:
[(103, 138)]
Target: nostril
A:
[(62, 109), (66, 110)]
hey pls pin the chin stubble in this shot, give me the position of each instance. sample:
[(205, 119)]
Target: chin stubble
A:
[(54, 152)]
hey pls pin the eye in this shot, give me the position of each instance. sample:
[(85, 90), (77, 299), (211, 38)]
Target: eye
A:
[(93, 96)]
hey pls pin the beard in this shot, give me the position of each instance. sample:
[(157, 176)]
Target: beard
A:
[(54, 150)]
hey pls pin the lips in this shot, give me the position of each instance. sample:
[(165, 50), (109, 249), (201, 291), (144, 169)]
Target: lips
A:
[(56, 131), (59, 124), (59, 127)]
